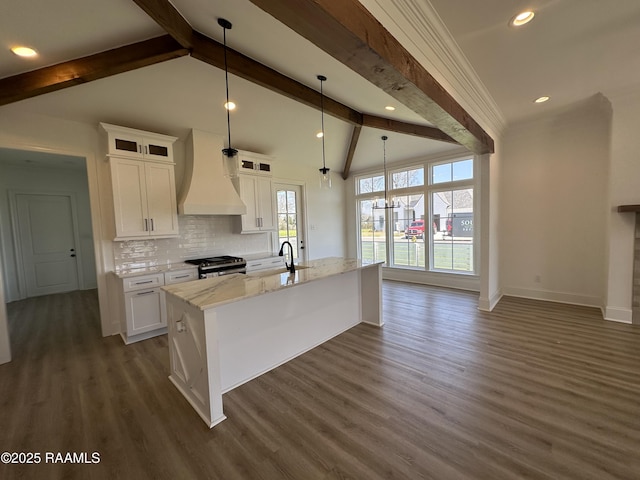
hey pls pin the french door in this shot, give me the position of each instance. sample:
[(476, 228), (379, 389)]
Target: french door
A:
[(290, 218)]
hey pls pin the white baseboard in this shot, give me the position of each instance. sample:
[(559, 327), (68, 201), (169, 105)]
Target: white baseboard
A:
[(551, 296), (440, 279), (617, 314), (488, 304)]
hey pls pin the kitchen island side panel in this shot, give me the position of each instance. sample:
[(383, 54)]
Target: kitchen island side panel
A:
[(261, 333), (193, 369)]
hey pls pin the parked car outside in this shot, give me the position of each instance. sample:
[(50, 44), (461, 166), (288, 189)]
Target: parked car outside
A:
[(415, 229)]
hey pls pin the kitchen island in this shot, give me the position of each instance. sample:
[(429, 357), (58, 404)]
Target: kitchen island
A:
[(225, 331)]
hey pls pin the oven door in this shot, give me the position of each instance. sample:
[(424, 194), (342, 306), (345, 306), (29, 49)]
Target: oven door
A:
[(233, 270), (219, 273)]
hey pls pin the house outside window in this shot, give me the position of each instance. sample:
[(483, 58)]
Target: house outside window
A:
[(431, 224)]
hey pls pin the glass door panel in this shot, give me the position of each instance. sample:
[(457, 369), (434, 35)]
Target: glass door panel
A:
[(290, 218)]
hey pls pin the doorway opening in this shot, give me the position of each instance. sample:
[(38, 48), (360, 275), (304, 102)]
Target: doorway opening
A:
[(45, 224)]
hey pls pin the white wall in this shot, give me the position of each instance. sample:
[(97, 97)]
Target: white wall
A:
[(5, 347), (553, 197), (40, 179), (624, 189), (326, 232)]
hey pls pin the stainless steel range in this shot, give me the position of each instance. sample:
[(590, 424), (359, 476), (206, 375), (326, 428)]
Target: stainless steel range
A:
[(216, 266)]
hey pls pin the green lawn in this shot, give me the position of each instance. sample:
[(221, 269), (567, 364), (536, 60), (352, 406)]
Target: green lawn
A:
[(446, 255)]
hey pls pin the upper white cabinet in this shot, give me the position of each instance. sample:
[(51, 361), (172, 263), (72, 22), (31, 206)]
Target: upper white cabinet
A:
[(143, 185), (253, 163), (253, 182), (130, 143)]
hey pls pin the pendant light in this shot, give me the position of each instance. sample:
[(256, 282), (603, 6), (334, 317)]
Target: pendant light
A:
[(226, 25), (325, 174), (384, 167)]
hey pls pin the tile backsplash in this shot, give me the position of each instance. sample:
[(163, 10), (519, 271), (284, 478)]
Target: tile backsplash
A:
[(200, 236)]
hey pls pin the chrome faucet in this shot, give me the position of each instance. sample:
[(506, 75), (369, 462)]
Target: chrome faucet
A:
[(292, 267)]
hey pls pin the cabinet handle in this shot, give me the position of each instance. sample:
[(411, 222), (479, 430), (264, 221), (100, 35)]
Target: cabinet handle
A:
[(146, 150), (146, 225), (152, 227), (143, 282), (145, 293), (256, 264), (182, 276), (139, 148)]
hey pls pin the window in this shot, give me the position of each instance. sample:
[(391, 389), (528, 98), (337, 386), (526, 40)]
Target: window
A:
[(373, 239), (409, 231), (452, 243), (431, 224)]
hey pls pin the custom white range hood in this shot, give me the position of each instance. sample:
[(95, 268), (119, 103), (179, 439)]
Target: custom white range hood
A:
[(206, 189)]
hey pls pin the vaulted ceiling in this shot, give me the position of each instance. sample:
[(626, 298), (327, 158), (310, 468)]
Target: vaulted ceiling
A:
[(184, 92)]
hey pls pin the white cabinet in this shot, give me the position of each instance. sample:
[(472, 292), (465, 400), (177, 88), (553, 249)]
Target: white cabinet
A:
[(253, 163), (130, 143), (142, 309), (145, 314), (144, 199), (257, 195), (143, 186), (179, 276), (267, 263)]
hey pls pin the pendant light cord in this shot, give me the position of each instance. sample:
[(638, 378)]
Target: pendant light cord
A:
[(226, 24), (322, 79), (384, 168), (226, 82)]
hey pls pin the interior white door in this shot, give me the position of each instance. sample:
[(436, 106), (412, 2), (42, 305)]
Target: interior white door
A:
[(47, 234), (290, 218)]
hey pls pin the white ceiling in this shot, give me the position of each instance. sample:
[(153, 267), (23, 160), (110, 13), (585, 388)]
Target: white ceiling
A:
[(571, 50), (593, 52)]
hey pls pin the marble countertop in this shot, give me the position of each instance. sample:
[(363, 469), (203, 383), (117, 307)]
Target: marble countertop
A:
[(213, 292), (135, 272)]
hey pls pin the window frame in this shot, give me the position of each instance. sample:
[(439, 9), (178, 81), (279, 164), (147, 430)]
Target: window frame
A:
[(426, 189)]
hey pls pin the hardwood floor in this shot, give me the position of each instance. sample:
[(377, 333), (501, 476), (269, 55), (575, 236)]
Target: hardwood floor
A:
[(532, 390)]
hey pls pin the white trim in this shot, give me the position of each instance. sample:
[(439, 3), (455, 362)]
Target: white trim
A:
[(5, 344), (551, 296), (617, 314), (458, 281), (488, 304)]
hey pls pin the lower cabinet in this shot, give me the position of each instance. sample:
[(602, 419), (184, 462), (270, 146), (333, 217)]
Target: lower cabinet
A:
[(266, 263), (141, 307), (144, 311)]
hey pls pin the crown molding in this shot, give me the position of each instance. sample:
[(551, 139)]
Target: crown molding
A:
[(419, 28)]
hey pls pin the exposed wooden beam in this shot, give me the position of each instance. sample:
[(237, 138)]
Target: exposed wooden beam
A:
[(166, 15), (355, 135), (347, 31), (87, 69), (212, 52), (406, 128)]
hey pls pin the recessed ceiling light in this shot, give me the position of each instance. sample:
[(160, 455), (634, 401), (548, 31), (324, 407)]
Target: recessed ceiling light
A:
[(24, 51), (522, 18), (391, 108), (542, 99), (320, 134), (230, 106)]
